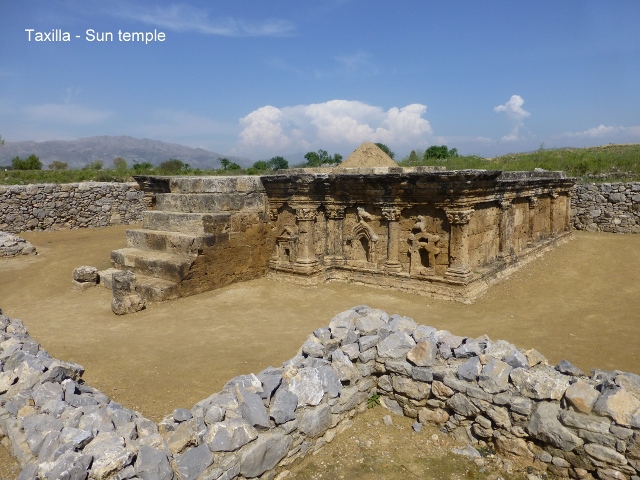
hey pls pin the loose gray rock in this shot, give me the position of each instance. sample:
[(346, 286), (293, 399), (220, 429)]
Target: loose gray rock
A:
[(193, 462), (545, 426), (395, 346), (416, 390), (568, 369), (283, 406), (470, 369), (264, 454), (582, 396), (252, 408), (585, 422), (153, 464), (462, 406), (619, 404), (494, 377), (315, 421), (306, 384), (271, 379), (230, 435), (605, 454), (423, 354), (181, 415), (538, 384)]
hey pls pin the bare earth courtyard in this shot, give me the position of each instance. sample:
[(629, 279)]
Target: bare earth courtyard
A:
[(579, 302)]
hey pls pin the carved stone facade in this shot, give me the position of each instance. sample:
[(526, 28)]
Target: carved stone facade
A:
[(447, 234)]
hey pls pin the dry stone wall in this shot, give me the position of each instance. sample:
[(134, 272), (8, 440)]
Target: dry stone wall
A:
[(607, 207), (72, 205), (557, 420)]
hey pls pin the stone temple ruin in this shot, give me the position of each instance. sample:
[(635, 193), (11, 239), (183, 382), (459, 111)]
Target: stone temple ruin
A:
[(447, 234)]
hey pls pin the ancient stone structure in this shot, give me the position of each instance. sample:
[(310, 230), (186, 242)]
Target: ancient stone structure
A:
[(70, 205), (445, 234), (448, 234), (607, 207), (555, 419)]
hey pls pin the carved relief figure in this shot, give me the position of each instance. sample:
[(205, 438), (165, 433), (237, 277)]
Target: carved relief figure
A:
[(423, 249)]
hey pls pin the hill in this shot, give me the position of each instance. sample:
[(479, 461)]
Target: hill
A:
[(78, 153)]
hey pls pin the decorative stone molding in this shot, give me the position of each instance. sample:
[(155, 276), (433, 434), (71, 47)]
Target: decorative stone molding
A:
[(458, 216), (335, 212), (306, 213), (391, 214)]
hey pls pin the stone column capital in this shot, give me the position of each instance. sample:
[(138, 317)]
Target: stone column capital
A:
[(306, 213), (458, 216), (335, 212), (553, 194), (391, 213), (533, 202)]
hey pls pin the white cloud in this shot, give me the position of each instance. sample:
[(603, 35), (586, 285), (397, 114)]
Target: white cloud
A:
[(516, 114), (186, 18), (513, 108), (336, 124), (68, 113), (599, 131)]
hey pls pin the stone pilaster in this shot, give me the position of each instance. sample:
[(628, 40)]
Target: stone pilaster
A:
[(392, 215), (306, 261), (503, 233), (533, 203), (335, 229), (553, 195), (459, 268)]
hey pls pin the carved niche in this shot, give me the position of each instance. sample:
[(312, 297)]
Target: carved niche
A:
[(423, 249), (286, 246), (363, 240)]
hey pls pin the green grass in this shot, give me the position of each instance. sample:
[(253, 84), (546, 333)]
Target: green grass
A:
[(618, 162), (24, 177)]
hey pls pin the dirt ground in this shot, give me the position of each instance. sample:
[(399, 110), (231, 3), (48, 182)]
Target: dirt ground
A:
[(579, 302)]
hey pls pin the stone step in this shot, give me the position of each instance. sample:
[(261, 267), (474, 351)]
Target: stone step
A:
[(155, 289), (210, 202), (228, 184), (190, 223), (167, 266), (171, 242)]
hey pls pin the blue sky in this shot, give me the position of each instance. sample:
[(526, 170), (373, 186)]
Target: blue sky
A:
[(257, 79)]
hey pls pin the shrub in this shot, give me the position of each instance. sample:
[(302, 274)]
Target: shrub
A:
[(32, 162)]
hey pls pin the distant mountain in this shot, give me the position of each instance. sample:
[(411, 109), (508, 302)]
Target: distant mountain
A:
[(78, 153)]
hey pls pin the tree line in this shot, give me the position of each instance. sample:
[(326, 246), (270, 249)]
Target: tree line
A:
[(320, 158)]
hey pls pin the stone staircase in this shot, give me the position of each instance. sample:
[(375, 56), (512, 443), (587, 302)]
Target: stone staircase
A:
[(188, 244)]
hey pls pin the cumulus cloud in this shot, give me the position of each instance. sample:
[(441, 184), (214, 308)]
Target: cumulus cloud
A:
[(186, 18), (516, 114), (68, 113), (336, 124)]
